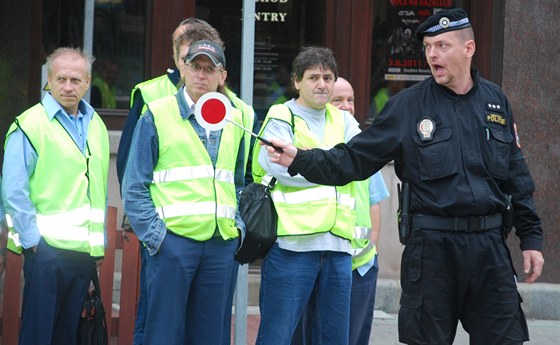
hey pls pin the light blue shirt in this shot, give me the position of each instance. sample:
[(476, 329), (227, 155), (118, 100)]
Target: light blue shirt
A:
[(20, 160), (138, 175), (2, 211)]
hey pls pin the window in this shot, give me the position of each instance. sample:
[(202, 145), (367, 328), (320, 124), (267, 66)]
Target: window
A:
[(280, 31), (118, 44)]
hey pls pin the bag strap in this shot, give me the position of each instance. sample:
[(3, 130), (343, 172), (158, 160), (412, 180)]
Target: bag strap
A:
[(95, 280), (271, 184), (292, 124)]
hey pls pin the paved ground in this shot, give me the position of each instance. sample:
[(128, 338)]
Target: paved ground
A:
[(542, 332)]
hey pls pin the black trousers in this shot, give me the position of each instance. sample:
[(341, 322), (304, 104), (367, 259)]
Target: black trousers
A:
[(447, 276)]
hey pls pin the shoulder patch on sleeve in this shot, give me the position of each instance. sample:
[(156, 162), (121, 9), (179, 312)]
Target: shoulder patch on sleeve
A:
[(517, 141)]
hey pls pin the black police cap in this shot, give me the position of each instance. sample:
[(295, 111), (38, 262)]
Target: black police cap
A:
[(443, 21)]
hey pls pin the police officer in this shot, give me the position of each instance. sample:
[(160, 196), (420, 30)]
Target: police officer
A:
[(454, 141)]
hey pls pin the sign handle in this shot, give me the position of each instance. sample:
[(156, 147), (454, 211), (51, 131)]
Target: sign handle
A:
[(278, 149)]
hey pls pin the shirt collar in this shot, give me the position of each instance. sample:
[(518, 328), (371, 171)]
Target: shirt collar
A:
[(52, 107), (190, 102)]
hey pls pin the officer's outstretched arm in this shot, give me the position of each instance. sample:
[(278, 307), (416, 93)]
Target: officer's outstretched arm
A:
[(285, 156)]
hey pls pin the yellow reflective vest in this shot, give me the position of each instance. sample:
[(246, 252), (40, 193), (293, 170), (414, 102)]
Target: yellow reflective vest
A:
[(108, 93), (191, 195), (315, 209), (248, 116), (68, 189), (363, 249), (154, 89)]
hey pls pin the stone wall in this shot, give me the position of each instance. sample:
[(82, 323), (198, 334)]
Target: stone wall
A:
[(531, 71)]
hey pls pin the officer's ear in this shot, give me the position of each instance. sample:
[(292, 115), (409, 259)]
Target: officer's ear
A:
[(470, 47)]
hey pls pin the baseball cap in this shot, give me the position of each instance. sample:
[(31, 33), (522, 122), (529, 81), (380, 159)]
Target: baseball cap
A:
[(208, 48)]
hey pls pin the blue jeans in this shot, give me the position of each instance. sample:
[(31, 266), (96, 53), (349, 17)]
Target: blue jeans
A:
[(287, 281), (362, 302)]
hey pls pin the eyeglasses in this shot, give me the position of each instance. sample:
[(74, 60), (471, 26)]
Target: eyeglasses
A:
[(208, 70)]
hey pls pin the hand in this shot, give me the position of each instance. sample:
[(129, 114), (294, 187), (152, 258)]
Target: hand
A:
[(284, 158), (533, 262), (98, 262)]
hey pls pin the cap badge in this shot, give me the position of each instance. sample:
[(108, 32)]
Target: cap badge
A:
[(426, 128), (444, 22), (205, 46)]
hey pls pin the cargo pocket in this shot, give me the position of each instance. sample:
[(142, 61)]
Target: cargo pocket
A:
[(436, 158), (496, 154), (410, 319)]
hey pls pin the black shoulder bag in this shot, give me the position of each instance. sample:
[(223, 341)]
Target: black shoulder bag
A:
[(261, 220), (92, 329), (259, 215)]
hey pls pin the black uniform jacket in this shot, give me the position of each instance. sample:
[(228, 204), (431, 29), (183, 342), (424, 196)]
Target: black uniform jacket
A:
[(460, 153)]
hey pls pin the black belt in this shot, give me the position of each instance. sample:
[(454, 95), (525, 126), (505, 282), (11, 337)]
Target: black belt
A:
[(468, 224)]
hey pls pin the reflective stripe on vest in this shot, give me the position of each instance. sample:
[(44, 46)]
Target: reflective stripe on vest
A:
[(190, 195), (362, 256), (13, 244), (326, 208), (313, 194), (72, 226), (195, 208), (360, 241), (70, 202), (363, 249), (188, 173)]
